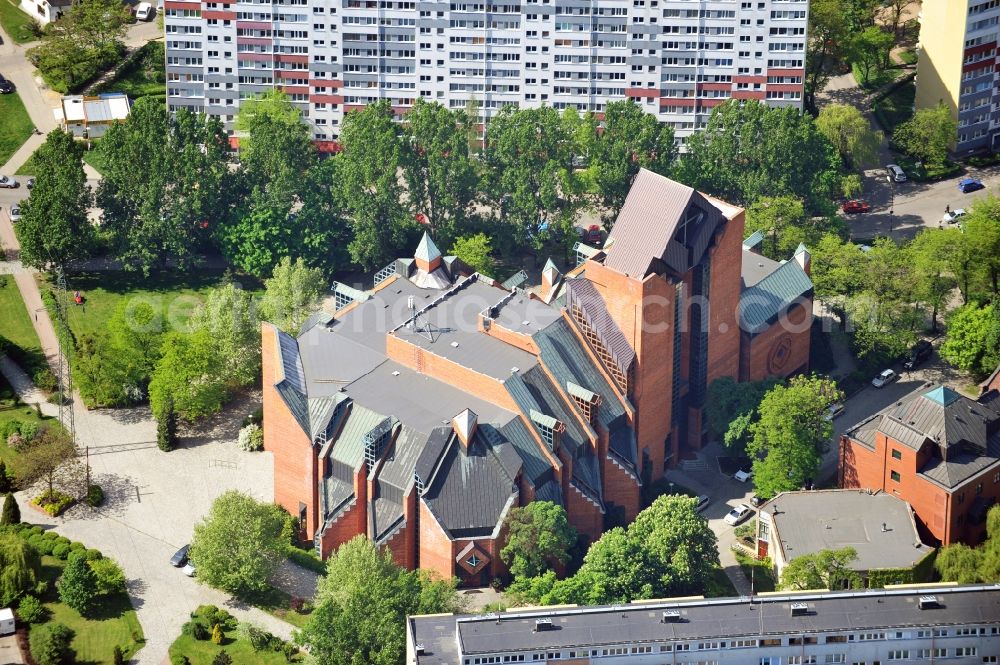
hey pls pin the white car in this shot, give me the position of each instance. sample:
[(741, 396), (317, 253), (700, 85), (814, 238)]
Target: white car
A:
[(885, 378), (143, 11), (743, 476), (738, 514), (702, 501), (7, 182), (895, 174), (953, 216), (15, 213), (835, 410), (189, 569)]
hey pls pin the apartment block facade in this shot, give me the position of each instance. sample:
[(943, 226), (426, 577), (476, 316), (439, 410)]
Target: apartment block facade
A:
[(958, 67), (678, 58)]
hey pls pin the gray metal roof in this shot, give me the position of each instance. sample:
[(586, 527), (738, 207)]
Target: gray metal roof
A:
[(761, 303), (472, 491), (397, 469), (349, 446), (644, 232), (807, 522), (526, 315), (563, 355), (944, 416), (447, 638), (536, 465), (756, 267), (417, 400), (454, 325)]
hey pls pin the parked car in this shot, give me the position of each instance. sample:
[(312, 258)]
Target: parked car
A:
[(144, 11), (953, 216), (180, 557), (29, 183), (757, 501), (594, 236), (7, 182), (896, 174), (920, 352), (702, 501), (189, 569), (967, 185), (835, 410), (885, 378), (15, 213), (743, 476), (855, 206), (6, 86), (738, 514)]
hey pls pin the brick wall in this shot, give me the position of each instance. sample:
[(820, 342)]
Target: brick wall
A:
[(517, 339), (435, 546), (793, 332), (585, 517), (724, 297), (295, 467)]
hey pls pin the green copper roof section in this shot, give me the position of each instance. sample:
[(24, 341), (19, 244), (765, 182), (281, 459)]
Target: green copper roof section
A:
[(579, 391), (427, 250), (754, 239), (942, 395)]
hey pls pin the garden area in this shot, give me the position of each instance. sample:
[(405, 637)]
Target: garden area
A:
[(896, 107), (214, 637), (17, 24), (144, 75), (758, 571), (17, 334), (73, 598), (16, 126)]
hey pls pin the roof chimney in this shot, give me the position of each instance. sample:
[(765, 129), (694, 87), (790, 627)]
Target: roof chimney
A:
[(464, 425)]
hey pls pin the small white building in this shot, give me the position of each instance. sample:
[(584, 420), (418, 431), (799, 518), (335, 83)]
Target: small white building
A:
[(90, 117), (45, 11), (7, 624)]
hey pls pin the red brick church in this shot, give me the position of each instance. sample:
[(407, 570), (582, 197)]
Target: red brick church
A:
[(422, 410)]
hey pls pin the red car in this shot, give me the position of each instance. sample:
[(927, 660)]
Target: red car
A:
[(594, 235), (855, 206)]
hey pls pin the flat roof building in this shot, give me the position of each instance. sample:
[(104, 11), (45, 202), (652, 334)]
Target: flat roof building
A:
[(915, 624), (89, 117), (879, 526)]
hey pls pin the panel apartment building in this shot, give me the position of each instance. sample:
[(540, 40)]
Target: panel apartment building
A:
[(678, 58), (958, 65)]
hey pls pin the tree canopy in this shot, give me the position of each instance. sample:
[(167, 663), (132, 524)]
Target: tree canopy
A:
[(291, 294), (791, 434), (54, 228), (972, 340), (475, 251), (20, 568), (927, 135), (362, 604), (968, 565), (237, 547), (731, 407), (851, 134), (539, 535), (826, 569)]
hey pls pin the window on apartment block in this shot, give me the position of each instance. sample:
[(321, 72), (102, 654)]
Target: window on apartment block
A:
[(896, 454), (894, 475)]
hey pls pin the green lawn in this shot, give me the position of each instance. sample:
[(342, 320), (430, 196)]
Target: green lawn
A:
[(278, 603), (28, 168), (908, 57), (175, 295), (95, 638), (897, 107), (877, 79), (147, 75), (16, 23), (17, 329), (201, 652), (15, 125), (24, 413), (760, 572), (720, 586), (95, 158)]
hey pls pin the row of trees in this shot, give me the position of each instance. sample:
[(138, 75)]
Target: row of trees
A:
[(538, 168), (968, 565)]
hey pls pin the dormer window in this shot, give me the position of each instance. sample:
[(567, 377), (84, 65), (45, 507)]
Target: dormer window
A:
[(547, 427)]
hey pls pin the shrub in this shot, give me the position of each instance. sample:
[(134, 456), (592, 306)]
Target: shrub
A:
[(117, 658), (60, 551), (35, 540), (179, 659), (29, 430), (54, 502), (16, 442), (49, 644), (95, 496), (93, 554), (222, 658), (195, 629), (45, 545), (31, 610), (258, 638), (41, 587), (217, 635), (76, 545), (110, 576), (288, 650), (9, 427), (62, 539), (45, 380), (37, 530), (251, 438)]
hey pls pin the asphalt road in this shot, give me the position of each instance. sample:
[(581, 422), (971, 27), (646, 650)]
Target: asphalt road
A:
[(915, 205)]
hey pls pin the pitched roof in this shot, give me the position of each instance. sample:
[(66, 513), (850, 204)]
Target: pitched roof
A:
[(761, 303), (643, 235), (753, 240), (583, 294), (427, 250)]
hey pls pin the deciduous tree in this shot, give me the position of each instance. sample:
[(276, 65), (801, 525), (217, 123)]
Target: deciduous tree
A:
[(539, 536), (731, 408), (972, 339), (78, 585), (50, 644), (190, 375), (828, 28), (54, 229), (362, 604), (851, 134), (927, 135), (869, 50), (934, 283), (291, 294), (791, 434), (50, 454), (968, 565), (237, 547), (826, 569), (781, 219), (475, 251), (229, 314)]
